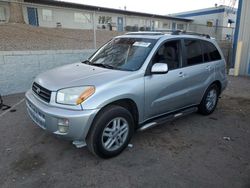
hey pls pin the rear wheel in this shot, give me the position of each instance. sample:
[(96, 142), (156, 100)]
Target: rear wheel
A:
[(209, 100), (110, 132)]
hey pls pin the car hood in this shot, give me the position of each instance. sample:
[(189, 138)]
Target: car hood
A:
[(78, 74)]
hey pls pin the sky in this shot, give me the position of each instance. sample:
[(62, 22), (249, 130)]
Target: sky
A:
[(162, 7)]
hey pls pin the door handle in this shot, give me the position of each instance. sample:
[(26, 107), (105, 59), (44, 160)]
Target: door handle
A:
[(208, 67), (181, 74)]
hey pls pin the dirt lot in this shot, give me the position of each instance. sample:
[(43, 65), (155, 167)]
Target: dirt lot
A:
[(189, 152)]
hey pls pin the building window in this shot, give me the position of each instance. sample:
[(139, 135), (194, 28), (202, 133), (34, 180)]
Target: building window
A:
[(165, 25), (156, 24), (47, 14), (2, 14), (142, 22), (148, 23), (209, 23), (180, 26), (82, 17), (230, 22), (104, 19)]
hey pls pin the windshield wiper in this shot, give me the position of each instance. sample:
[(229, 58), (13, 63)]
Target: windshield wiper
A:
[(88, 62), (103, 65)]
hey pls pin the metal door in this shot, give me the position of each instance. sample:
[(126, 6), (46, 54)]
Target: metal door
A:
[(173, 26), (32, 16), (120, 24)]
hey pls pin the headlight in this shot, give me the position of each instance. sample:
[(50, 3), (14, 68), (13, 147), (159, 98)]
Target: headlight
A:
[(75, 95)]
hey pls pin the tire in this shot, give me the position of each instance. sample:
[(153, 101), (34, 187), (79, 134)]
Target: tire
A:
[(209, 100), (114, 124)]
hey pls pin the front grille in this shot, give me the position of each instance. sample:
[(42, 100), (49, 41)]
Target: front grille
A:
[(41, 92)]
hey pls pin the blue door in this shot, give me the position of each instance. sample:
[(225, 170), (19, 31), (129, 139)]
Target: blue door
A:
[(173, 26), (120, 24), (32, 16), (152, 25)]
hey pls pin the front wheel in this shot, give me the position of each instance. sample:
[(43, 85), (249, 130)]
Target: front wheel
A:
[(209, 100), (110, 132)]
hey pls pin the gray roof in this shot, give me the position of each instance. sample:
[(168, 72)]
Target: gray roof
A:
[(103, 9)]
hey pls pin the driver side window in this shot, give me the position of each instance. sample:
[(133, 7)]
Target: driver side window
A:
[(168, 53)]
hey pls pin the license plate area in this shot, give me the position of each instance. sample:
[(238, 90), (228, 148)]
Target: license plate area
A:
[(36, 115)]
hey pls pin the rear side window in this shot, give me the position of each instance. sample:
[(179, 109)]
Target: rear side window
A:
[(210, 52), (193, 52)]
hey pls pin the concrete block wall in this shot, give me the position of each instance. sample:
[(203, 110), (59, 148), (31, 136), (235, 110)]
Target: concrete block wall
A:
[(19, 68)]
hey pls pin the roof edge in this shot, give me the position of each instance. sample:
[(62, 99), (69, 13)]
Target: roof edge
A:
[(103, 9)]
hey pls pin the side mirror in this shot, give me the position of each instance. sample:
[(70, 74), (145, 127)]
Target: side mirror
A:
[(159, 68)]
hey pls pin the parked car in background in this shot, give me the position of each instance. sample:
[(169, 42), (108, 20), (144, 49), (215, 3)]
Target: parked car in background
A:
[(133, 82)]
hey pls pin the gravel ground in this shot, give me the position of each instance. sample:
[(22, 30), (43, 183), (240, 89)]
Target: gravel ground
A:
[(189, 152), (20, 37)]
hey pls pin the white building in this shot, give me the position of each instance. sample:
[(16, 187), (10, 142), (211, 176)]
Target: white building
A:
[(50, 13), (242, 40), (218, 21)]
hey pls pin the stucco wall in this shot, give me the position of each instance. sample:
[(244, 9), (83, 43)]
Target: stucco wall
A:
[(19, 68)]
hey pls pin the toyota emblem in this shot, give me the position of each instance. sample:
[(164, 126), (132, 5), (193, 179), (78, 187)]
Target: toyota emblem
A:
[(38, 90)]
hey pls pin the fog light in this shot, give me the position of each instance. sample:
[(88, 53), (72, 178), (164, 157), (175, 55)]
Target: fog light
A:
[(63, 125)]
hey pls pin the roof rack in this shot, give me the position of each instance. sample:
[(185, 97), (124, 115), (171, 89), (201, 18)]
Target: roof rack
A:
[(179, 32), (172, 32), (145, 33)]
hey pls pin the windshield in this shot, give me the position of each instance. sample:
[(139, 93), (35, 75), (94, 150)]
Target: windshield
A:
[(126, 54)]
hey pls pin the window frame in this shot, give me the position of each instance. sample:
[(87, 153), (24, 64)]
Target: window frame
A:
[(86, 20), (180, 24), (202, 49), (210, 58), (185, 64), (4, 14), (181, 55), (45, 17)]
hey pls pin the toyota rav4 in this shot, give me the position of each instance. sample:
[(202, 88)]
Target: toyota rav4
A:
[(133, 82)]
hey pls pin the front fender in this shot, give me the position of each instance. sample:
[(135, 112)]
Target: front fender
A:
[(132, 89)]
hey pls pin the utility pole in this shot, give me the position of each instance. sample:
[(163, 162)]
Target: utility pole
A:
[(94, 28)]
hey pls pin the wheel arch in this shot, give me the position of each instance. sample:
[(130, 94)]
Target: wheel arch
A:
[(126, 103), (218, 84)]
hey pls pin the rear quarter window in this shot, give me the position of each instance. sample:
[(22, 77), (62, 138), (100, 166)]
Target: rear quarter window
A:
[(210, 52), (193, 52)]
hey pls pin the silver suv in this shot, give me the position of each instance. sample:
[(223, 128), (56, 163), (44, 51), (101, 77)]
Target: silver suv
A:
[(133, 82)]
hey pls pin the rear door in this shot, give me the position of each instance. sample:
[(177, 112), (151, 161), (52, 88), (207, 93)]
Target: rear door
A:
[(199, 69)]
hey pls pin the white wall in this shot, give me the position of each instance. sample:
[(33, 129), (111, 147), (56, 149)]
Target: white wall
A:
[(221, 31), (66, 17), (63, 16), (16, 80)]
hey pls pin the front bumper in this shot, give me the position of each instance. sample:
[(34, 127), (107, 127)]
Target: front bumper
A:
[(47, 117)]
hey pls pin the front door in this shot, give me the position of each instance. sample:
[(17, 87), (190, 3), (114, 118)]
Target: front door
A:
[(120, 24), (32, 16), (166, 92)]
